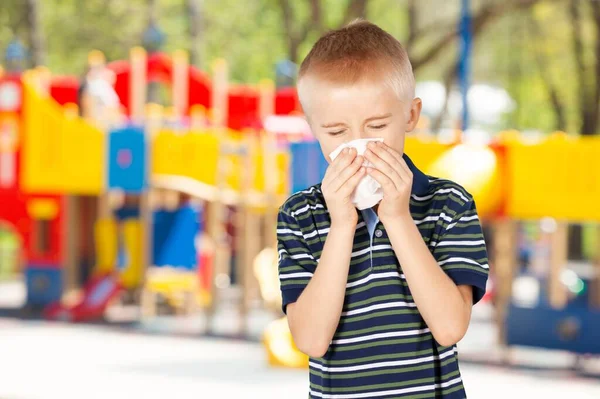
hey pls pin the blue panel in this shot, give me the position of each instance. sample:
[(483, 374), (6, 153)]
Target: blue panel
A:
[(308, 165), (574, 329), (44, 285), (127, 160), (174, 237)]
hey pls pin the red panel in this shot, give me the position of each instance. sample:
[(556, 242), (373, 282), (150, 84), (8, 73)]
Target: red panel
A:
[(64, 89), (243, 107), (14, 211), (286, 101), (122, 72), (200, 88)]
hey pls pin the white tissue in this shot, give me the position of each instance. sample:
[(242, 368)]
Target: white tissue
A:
[(368, 193)]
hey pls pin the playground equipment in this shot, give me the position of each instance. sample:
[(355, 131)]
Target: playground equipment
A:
[(65, 180)]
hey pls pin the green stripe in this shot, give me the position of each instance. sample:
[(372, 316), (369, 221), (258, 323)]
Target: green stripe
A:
[(378, 358), (377, 283), (386, 386), (363, 374), (394, 327), (299, 281), (460, 249), (377, 299), (467, 266), (368, 316), (294, 268), (383, 342)]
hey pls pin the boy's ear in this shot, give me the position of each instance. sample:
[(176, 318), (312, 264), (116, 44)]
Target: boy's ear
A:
[(414, 113)]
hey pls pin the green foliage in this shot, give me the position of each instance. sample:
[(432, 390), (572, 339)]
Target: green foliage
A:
[(251, 36)]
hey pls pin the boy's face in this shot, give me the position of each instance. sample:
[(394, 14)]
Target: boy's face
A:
[(342, 113)]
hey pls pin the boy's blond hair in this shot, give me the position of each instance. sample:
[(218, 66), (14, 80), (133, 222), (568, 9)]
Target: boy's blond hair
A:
[(360, 50)]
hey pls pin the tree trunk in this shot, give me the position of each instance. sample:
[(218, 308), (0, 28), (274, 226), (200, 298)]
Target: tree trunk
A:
[(542, 62), (37, 44), (449, 78), (586, 99), (596, 105), (355, 9), (485, 15), (195, 22), (412, 24)]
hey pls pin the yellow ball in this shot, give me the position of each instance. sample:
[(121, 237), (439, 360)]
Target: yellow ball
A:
[(476, 168)]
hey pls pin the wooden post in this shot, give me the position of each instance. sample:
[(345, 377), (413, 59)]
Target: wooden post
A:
[(505, 262), (595, 283), (558, 259), (180, 82), (71, 243), (216, 214), (138, 83), (220, 94)]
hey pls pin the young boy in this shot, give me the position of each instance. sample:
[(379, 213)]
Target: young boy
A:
[(377, 298)]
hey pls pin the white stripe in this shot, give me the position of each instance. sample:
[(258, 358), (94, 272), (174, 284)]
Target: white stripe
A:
[(302, 256), (465, 260), (434, 218), (448, 383), (373, 394), (370, 277), (462, 219), (374, 248), (392, 334), (309, 191), (441, 191), (391, 363), (465, 243), (295, 275), (379, 306), (306, 208), (288, 231), (385, 393)]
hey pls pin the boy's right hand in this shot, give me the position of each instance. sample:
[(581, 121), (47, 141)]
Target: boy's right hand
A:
[(341, 178)]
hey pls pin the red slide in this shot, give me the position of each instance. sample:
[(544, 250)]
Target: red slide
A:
[(98, 293)]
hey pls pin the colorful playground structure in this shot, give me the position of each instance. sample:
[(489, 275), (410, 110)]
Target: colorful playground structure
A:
[(141, 202)]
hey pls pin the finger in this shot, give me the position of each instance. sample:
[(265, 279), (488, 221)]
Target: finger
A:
[(395, 160), (386, 183), (339, 163), (398, 158), (350, 185), (383, 166), (346, 173)]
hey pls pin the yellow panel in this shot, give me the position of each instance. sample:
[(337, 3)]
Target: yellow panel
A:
[(44, 209), (84, 160), (200, 154), (166, 155), (133, 274), (60, 155), (191, 154), (559, 178), (106, 239), (424, 153)]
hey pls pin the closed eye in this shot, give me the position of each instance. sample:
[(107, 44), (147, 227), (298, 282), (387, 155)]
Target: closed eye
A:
[(377, 127), (336, 133)]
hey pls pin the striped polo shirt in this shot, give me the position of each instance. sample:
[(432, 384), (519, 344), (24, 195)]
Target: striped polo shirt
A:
[(382, 347)]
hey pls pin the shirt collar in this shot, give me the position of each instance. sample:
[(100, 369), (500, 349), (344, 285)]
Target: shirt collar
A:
[(420, 184)]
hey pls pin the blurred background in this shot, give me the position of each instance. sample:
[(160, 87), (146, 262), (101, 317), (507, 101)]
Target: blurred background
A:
[(146, 145)]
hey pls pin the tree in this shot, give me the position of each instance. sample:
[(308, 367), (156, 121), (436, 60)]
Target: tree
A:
[(195, 21), (36, 40)]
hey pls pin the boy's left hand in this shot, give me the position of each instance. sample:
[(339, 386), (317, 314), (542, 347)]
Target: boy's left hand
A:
[(391, 171)]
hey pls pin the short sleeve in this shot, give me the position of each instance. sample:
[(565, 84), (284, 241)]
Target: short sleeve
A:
[(296, 262), (461, 251)]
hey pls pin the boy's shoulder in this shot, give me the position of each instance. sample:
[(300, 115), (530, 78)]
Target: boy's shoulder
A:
[(444, 192), (312, 197)]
